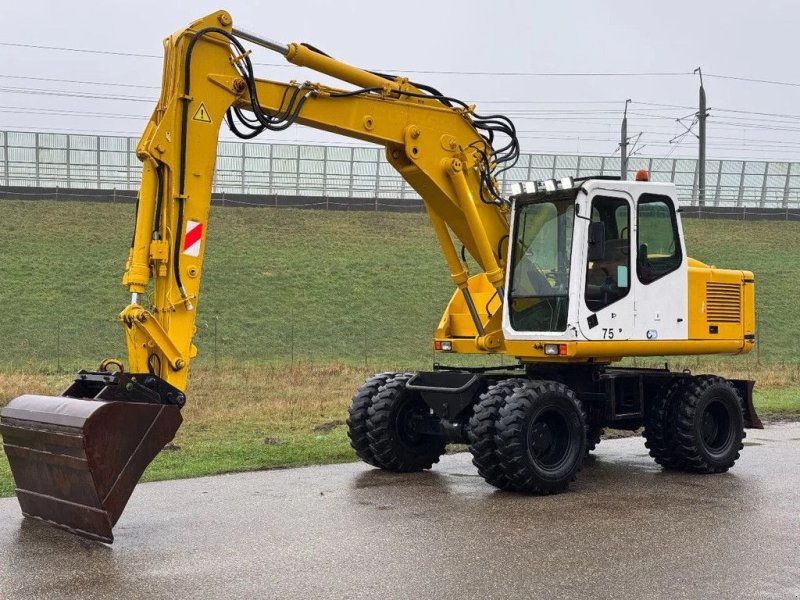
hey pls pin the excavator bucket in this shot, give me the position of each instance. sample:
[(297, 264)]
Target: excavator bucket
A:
[(76, 461)]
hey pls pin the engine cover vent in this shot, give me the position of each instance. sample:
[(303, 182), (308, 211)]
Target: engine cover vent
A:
[(723, 302)]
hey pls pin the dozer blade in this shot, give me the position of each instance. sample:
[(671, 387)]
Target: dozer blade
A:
[(76, 462)]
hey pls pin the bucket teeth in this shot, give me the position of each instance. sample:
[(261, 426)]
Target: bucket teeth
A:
[(76, 462)]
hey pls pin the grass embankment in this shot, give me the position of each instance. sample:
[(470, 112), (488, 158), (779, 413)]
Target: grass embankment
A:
[(317, 286), (297, 308)]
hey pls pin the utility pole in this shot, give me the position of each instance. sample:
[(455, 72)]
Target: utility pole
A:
[(702, 113), (623, 143)]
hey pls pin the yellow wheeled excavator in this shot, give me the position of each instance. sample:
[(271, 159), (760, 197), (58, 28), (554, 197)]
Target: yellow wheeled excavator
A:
[(572, 276)]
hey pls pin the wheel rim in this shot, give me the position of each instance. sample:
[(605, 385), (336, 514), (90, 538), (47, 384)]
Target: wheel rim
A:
[(716, 427), (407, 424), (549, 441)]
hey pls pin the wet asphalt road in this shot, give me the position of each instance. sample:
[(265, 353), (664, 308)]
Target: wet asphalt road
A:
[(626, 530)]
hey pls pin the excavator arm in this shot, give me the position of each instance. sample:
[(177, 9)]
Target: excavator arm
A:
[(208, 78), (76, 458)]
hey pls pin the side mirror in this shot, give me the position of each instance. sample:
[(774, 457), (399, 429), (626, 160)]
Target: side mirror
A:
[(597, 241)]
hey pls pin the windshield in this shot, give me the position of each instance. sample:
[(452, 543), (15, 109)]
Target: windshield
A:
[(540, 275)]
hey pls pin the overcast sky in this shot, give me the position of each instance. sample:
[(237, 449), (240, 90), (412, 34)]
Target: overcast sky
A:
[(504, 55)]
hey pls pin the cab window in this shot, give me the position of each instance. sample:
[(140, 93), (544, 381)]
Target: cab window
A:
[(658, 239), (539, 291), (608, 257)]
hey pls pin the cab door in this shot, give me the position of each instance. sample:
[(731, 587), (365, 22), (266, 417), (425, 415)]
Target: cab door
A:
[(660, 273), (607, 302)]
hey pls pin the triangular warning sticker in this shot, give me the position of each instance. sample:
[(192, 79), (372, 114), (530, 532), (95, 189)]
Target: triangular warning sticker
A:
[(201, 114)]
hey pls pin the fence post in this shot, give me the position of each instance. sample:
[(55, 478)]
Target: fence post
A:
[(325, 175), (297, 172), (764, 185), (242, 169), (5, 154), (352, 168), (97, 150), (69, 161), (128, 162), (377, 177), (740, 200), (786, 186), (672, 171), (269, 183), (38, 160)]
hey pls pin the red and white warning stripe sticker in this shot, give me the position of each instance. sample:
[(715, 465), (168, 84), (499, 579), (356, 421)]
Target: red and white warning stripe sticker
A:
[(194, 234)]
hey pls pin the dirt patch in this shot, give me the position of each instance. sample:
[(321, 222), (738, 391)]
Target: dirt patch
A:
[(328, 426), (271, 441)]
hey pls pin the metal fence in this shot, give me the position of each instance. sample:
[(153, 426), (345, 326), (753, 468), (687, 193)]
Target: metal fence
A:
[(58, 160)]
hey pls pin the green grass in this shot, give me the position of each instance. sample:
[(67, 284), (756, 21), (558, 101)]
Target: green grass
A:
[(280, 283), (322, 286)]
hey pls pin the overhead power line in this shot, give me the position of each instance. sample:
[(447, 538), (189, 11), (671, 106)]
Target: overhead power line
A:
[(71, 94), (443, 72), (753, 80), (82, 50), (81, 82)]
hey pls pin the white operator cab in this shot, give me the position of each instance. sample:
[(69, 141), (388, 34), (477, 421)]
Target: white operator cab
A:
[(600, 260)]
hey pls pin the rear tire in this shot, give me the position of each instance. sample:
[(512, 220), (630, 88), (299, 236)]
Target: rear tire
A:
[(541, 437), (659, 425), (393, 441), (482, 432), (709, 425), (359, 413)]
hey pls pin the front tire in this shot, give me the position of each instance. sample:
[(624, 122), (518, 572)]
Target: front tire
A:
[(394, 442), (541, 437), (709, 425), (482, 432)]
